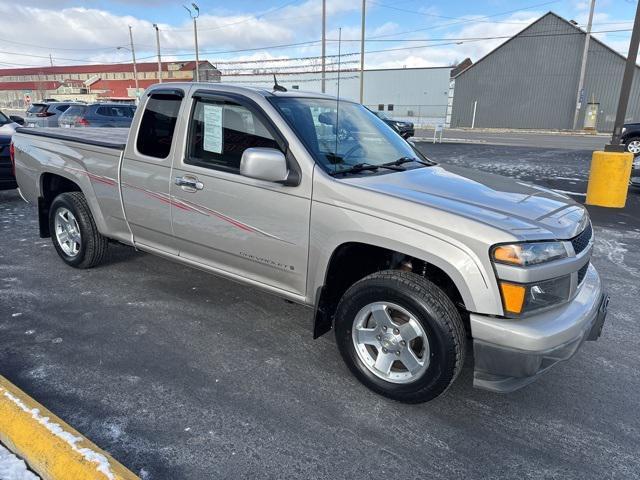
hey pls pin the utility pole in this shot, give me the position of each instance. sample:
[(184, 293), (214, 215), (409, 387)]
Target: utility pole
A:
[(362, 52), (51, 60), (155, 25), (133, 56), (195, 13), (583, 68), (625, 89), (610, 172), (324, 42)]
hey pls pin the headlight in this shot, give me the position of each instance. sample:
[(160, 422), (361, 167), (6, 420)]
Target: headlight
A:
[(518, 299), (526, 254)]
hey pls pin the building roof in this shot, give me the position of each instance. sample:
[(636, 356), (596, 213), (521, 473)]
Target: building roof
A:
[(119, 88), (546, 15), (34, 86), (101, 68)]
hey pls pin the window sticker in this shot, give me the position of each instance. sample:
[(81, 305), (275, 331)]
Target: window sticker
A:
[(213, 128)]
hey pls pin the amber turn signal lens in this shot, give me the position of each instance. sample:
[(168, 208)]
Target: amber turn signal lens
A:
[(508, 254), (513, 297)]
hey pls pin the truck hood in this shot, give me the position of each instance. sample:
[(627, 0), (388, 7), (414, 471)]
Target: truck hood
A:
[(525, 210)]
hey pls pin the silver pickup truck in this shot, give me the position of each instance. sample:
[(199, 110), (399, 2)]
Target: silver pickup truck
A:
[(318, 201)]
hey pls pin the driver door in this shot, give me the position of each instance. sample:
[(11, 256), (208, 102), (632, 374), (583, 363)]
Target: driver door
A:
[(245, 227)]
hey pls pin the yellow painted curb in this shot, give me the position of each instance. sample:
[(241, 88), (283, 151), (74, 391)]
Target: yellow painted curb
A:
[(51, 448)]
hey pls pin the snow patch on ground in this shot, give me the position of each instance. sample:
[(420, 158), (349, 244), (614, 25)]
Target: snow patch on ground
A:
[(13, 468), (103, 465), (612, 244)]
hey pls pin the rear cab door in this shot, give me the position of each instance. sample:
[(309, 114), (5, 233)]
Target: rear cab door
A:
[(146, 169)]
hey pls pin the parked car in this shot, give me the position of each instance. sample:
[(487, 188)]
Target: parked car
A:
[(8, 127), (405, 129), (46, 114), (407, 260), (98, 115), (631, 138)]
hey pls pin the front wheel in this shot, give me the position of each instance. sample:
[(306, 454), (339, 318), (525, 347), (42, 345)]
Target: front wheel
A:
[(74, 232), (401, 336)]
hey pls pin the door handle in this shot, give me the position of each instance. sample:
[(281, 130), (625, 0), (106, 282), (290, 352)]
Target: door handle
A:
[(189, 183)]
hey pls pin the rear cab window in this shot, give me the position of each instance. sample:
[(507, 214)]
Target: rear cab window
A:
[(158, 124)]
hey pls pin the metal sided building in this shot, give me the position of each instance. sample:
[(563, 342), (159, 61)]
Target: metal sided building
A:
[(418, 94), (531, 81)]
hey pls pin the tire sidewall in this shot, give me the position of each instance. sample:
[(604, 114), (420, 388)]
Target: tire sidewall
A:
[(441, 364), (65, 201)]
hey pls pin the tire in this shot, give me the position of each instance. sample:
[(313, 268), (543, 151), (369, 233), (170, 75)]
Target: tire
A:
[(86, 247), (405, 295), (632, 145)]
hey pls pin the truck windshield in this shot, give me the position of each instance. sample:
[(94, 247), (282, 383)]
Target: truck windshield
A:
[(344, 135)]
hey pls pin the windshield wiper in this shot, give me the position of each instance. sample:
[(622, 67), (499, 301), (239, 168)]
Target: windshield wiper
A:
[(403, 160), (360, 167)]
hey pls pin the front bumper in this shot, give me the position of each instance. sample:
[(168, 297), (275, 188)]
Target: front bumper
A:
[(511, 353)]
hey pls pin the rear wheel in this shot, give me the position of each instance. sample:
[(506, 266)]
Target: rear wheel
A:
[(401, 336), (74, 232)]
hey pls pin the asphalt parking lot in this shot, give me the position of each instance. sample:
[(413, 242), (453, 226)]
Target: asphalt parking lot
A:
[(182, 375)]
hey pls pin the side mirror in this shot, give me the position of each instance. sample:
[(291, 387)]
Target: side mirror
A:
[(17, 119), (264, 164)]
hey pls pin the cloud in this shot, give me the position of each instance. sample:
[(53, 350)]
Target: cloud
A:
[(76, 34)]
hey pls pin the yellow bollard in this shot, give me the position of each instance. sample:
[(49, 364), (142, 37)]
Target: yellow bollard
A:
[(609, 179)]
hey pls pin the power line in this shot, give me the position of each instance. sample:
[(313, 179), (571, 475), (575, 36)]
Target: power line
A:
[(469, 20), (462, 39), (253, 17), (56, 48), (456, 18)]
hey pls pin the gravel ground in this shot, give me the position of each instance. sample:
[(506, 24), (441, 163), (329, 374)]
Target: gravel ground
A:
[(182, 375)]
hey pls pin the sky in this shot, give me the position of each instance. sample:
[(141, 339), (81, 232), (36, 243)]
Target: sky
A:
[(262, 34)]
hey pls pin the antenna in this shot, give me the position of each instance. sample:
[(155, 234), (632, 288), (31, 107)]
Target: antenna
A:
[(276, 87), (338, 91)]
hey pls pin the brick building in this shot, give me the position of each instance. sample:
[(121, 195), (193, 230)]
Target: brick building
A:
[(92, 82)]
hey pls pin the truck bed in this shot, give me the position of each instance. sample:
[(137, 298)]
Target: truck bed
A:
[(115, 138)]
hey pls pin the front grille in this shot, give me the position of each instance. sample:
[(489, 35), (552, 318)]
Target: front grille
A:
[(582, 240), (582, 272)]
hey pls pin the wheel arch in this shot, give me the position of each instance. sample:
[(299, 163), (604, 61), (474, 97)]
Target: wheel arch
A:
[(353, 260), (53, 184)]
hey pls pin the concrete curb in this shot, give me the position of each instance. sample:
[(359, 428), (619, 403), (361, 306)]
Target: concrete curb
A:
[(578, 133), (51, 448)]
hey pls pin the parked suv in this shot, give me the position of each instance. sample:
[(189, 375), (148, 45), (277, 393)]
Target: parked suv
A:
[(98, 115), (405, 129), (46, 114)]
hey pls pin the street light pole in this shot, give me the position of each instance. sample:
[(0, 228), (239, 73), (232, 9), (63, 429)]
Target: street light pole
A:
[(195, 13), (583, 68), (155, 25), (324, 43), (364, 2), (625, 89), (133, 55)]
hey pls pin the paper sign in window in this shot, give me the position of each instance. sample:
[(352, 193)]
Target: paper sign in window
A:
[(213, 128)]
